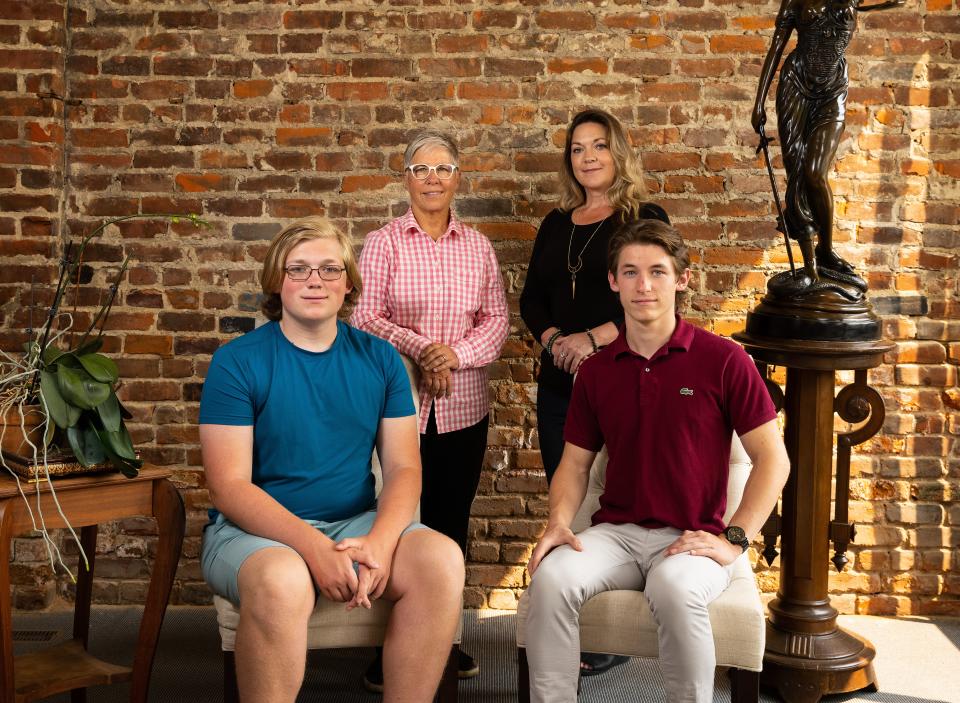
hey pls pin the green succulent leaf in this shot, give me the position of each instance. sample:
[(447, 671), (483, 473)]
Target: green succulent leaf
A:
[(126, 463), (102, 368), (109, 412), (119, 443), (79, 389), (90, 347), (86, 445), (51, 354), (62, 413)]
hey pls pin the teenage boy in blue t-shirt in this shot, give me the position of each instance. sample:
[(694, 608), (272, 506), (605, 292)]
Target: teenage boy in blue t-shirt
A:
[(665, 399), (289, 417)]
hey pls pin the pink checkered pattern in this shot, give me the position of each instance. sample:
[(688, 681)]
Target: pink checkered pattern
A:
[(417, 291)]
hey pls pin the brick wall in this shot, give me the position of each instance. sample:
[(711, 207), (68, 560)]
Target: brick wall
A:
[(254, 113)]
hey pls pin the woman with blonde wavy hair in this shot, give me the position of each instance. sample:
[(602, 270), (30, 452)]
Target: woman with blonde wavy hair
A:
[(566, 301)]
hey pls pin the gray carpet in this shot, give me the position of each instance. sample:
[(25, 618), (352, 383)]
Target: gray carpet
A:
[(918, 661)]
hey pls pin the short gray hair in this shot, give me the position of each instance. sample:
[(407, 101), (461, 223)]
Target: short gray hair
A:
[(430, 137)]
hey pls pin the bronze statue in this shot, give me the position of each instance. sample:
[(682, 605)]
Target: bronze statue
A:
[(811, 106)]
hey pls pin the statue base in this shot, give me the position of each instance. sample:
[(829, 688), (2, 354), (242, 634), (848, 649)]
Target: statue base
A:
[(804, 667), (826, 311)]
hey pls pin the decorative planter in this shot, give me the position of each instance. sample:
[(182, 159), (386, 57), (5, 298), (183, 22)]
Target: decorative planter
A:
[(16, 433)]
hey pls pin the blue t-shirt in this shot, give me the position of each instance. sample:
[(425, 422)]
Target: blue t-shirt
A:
[(315, 415)]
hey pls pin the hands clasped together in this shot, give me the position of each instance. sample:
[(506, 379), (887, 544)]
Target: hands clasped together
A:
[(437, 363), (335, 576), (570, 350)]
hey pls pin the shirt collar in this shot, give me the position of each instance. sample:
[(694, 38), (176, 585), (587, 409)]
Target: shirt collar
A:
[(680, 340), (408, 223)]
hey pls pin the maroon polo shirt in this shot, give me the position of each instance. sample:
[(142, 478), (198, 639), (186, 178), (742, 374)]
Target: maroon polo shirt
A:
[(667, 423)]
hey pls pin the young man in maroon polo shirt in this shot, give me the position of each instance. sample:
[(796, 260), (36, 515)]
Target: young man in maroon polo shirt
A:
[(665, 398)]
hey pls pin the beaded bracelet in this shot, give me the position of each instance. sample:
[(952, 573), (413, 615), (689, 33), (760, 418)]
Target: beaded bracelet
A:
[(549, 344), (593, 340)]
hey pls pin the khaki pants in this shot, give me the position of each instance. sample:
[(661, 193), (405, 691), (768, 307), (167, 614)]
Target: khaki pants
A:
[(624, 557)]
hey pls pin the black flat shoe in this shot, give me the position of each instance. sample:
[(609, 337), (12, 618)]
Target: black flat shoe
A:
[(373, 677), (595, 664), (467, 667)]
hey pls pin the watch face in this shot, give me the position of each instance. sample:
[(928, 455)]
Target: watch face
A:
[(734, 534)]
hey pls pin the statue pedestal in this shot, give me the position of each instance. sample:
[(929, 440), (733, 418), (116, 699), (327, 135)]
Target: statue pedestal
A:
[(807, 654)]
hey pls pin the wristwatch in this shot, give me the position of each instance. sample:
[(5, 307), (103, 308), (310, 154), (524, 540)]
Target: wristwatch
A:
[(736, 535)]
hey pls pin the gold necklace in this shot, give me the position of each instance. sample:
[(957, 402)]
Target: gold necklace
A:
[(574, 268)]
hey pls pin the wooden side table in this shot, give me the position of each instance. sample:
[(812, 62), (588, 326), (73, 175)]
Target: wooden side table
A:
[(88, 501)]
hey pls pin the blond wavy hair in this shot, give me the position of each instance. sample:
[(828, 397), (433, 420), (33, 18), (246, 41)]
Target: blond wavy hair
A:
[(628, 191)]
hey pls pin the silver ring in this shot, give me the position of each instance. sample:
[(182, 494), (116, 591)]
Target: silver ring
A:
[(563, 354)]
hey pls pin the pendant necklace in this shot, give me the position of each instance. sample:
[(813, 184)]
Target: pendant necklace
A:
[(574, 268)]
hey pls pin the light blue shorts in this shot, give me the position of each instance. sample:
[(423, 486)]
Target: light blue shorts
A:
[(226, 547)]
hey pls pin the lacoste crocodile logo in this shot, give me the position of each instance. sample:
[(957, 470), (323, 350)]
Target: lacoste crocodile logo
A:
[(686, 391)]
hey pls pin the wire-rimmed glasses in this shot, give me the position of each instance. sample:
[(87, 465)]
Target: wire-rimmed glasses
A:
[(301, 272)]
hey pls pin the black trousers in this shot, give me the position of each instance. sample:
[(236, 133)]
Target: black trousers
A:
[(451, 473), (551, 417)]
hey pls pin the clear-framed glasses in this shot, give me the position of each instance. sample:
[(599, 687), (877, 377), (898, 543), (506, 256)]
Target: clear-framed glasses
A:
[(422, 171), (301, 272)]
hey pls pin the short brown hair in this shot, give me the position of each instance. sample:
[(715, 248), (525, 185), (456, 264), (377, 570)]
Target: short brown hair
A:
[(650, 231), (628, 190), (271, 277)]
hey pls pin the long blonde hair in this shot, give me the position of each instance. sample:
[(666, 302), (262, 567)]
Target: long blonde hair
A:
[(628, 191)]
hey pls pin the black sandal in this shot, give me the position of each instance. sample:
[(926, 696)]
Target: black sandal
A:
[(592, 664)]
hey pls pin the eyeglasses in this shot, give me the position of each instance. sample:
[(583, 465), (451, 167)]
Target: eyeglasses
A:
[(301, 272), (422, 171)]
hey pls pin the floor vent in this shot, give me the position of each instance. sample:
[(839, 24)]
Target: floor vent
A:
[(34, 635)]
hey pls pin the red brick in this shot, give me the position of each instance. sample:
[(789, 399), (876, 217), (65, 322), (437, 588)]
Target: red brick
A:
[(512, 67), (304, 136), (182, 66), (501, 19), (596, 65), (201, 182), (647, 20), (188, 20), (34, 155), (565, 20), (357, 91), (427, 21), (253, 89), (379, 68), (356, 183), (98, 137), (29, 59), (161, 42), (312, 19), (450, 67)]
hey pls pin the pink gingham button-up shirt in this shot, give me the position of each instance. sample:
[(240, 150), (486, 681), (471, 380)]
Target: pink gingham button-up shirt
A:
[(417, 291)]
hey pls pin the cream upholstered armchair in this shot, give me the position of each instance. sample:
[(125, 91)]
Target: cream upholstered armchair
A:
[(330, 625), (620, 622)]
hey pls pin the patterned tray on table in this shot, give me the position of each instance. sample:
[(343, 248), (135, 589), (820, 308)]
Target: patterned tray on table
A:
[(58, 464)]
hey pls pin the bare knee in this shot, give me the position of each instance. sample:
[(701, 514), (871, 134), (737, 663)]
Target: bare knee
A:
[(429, 563), (275, 584)]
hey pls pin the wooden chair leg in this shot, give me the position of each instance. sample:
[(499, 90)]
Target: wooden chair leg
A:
[(744, 686), (523, 676), (230, 692), (448, 690)]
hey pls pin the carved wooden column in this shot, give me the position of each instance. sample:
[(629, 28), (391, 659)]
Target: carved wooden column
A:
[(807, 654)]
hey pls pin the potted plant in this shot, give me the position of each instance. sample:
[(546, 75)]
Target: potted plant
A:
[(58, 400)]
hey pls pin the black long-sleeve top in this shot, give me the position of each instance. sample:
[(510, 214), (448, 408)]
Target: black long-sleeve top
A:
[(547, 300)]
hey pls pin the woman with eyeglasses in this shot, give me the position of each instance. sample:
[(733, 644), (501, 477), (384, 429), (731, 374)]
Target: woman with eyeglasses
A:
[(566, 301), (432, 288)]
